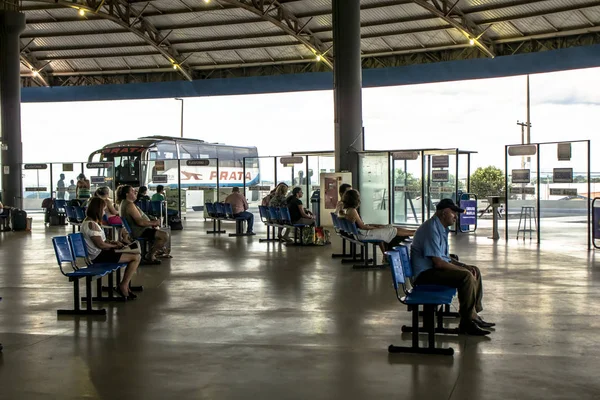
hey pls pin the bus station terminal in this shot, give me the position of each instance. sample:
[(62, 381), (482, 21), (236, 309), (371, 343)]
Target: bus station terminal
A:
[(301, 275)]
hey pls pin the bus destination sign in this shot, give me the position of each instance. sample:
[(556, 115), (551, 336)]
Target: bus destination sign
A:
[(197, 163), (93, 165), (35, 166)]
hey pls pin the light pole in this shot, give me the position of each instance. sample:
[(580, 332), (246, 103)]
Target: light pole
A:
[(181, 129)]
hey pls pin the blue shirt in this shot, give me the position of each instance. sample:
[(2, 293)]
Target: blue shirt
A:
[(430, 240)]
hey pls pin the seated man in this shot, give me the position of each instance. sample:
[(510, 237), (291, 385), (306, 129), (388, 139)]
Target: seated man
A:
[(239, 205), (160, 194), (432, 265), (297, 213)]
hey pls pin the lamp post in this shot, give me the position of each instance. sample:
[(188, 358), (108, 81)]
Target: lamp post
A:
[(181, 129)]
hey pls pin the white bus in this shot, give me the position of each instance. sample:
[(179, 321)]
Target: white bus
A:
[(153, 160)]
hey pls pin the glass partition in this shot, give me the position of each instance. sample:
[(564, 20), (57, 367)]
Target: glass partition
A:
[(317, 165), (522, 192), (564, 192), (259, 179), (64, 177), (293, 175), (100, 174), (374, 183), (199, 179), (407, 187), (441, 176), (37, 186)]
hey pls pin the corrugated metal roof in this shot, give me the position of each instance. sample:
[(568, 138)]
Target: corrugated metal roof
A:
[(223, 33)]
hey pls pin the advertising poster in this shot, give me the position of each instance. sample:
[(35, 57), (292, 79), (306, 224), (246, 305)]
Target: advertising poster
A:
[(470, 215)]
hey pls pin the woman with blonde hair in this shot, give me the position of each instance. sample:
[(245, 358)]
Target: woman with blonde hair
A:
[(279, 199)]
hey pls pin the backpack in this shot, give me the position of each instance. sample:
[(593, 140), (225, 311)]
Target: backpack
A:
[(175, 223)]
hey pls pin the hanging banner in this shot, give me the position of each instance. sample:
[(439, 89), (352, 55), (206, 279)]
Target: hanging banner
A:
[(521, 176), (440, 161), (562, 175), (469, 217)]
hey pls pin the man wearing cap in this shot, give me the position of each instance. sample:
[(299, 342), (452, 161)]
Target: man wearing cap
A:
[(432, 265)]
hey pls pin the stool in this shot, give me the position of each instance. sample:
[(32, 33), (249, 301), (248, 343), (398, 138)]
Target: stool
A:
[(527, 213)]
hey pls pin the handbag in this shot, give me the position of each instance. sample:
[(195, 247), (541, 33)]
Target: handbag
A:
[(132, 248)]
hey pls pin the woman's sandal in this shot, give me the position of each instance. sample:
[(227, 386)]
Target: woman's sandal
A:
[(150, 261), (120, 292)]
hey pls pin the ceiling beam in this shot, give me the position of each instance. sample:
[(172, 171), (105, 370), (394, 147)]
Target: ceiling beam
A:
[(120, 13), (35, 67), (464, 25), (272, 11)]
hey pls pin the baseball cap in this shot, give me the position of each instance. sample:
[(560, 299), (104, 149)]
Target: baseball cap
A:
[(448, 203)]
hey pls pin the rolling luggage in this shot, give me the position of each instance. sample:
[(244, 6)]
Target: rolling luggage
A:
[(18, 219)]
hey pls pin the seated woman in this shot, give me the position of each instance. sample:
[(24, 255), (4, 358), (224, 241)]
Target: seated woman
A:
[(140, 223), (101, 250), (298, 213), (344, 187), (112, 215), (279, 199), (391, 235)]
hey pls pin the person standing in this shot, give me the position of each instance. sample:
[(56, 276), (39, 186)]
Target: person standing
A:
[(239, 205), (83, 188), (72, 190), (60, 188)]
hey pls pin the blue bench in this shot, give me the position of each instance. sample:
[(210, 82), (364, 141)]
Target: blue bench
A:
[(286, 221), (430, 297), (346, 237), (66, 258), (80, 251), (265, 218), (408, 272), (351, 229), (224, 212)]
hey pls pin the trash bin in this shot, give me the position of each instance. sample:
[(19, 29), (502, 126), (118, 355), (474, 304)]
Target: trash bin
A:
[(315, 204)]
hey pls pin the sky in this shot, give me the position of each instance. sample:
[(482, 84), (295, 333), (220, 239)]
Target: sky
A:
[(478, 115)]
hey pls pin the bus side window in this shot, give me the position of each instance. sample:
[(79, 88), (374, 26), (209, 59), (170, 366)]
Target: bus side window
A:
[(188, 151), (225, 155), (167, 150)]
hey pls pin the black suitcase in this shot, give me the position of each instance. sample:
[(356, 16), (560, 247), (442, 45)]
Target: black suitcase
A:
[(18, 219), (55, 217)]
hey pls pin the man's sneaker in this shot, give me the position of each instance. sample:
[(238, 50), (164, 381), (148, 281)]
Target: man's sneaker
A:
[(472, 329)]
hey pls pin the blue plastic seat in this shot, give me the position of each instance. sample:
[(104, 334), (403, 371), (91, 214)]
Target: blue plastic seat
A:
[(65, 256), (428, 296), (287, 218), (80, 251)]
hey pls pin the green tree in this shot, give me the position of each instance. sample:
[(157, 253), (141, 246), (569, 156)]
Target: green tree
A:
[(488, 181)]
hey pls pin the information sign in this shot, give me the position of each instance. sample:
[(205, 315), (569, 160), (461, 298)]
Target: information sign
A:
[(564, 151), (197, 163), (563, 192), (67, 167), (440, 161), (159, 165), (399, 188), (469, 217), (35, 166), (521, 176), (291, 160), (160, 178), (92, 165), (260, 188), (405, 155), (97, 180), (522, 190), (36, 189), (562, 175), (440, 176), (523, 150), (596, 222)]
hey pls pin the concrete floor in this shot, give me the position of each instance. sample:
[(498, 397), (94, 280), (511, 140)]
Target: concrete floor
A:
[(232, 318)]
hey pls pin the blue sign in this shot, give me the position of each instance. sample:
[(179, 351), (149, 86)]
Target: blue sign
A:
[(470, 215), (596, 222)]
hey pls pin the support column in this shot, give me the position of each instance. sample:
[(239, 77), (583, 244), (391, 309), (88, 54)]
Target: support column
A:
[(347, 86), (12, 23)]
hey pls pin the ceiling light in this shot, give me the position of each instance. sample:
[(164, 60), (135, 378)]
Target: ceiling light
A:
[(35, 73), (319, 57), (471, 42), (81, 12), (207, 1), (175, 66)]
